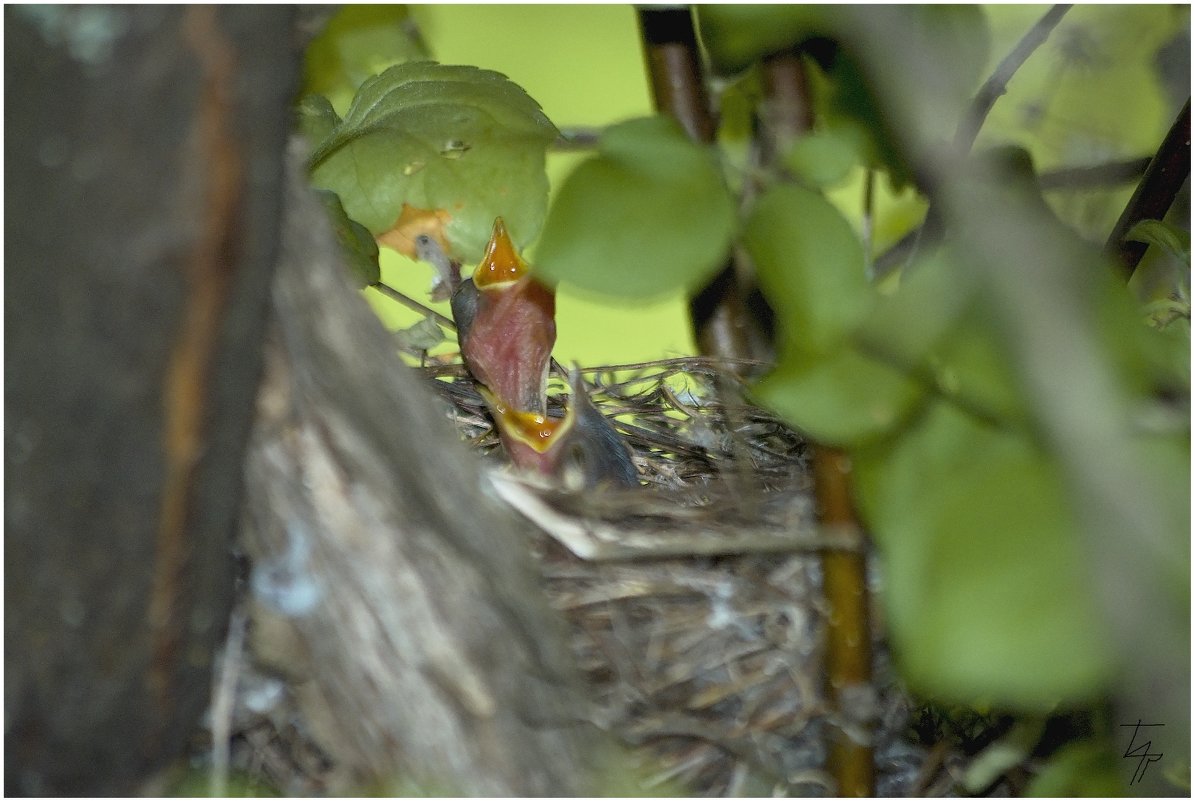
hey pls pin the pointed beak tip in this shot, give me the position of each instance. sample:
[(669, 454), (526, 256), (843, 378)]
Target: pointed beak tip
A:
[(501, 263)]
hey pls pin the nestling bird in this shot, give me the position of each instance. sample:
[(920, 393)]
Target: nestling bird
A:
[(582, 448), (505, 320)]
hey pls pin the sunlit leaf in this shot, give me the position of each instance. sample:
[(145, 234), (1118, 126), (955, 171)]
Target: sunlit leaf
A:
[(988, 593), (649, 214), (840, 398), (461, 141), (810, 266), (360, 250)]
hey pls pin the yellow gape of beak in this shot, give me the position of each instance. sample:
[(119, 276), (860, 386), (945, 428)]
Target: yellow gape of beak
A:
[(501, 265), (537, 431)]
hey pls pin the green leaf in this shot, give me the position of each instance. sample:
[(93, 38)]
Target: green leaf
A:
[(462, 142), (926, 305), (1170, 238), (1084, 769), (360, 249), (988, 593), (317, 119), (359, 41), (736, 34), (810, 266), (649, 214), (840, 398), (972, 365), (825, 158)]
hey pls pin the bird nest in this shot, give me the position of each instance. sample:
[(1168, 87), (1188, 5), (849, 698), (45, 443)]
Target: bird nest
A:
[(694, 601)]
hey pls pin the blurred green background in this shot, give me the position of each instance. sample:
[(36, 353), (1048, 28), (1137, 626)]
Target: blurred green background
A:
[(1104, 87)]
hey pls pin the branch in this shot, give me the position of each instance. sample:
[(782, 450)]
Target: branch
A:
[(1097, 176), (413, 304), (996, 85), (848, 635), (844, 574), (723, 323), (1163, 179), (674, 66)]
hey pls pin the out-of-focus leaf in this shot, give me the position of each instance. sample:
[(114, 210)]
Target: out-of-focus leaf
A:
[(359, 41), (360, 250), (317, 119), (845, 99), (1083, 769), (840, 398), (649, 214), (810, 266), (736, 34), (988, 595), (1001, 756), (928, 302), (457, 143), (1158, 233), (972, 365), (422, 336), (825, 157)]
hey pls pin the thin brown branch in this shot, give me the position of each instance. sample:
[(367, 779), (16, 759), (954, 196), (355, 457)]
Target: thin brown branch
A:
[(1163, 179), (674, 65), (723, 323), (996, 85), (848, 636)]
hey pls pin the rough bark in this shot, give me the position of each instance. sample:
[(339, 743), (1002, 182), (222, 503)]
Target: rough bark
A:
[(143, 159), (386, 580)]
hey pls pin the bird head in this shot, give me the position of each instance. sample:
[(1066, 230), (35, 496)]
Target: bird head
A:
[(506, 325), (582, 449)]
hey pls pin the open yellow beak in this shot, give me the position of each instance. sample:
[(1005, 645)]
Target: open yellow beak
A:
[(501, 265)]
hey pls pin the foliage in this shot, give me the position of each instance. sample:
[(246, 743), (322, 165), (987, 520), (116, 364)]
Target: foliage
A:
[(649, 213), (1009, 408), (460, 144)]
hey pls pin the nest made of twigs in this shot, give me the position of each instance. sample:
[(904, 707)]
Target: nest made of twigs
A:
[(698, 640)]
